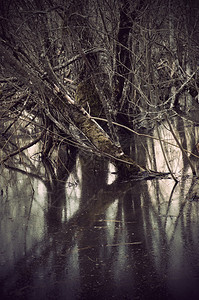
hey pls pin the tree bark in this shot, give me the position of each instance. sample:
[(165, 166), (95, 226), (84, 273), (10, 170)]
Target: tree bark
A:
[(102, 143)]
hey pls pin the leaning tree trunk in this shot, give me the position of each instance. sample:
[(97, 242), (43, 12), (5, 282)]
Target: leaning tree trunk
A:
[(62, 110), (100, 141)]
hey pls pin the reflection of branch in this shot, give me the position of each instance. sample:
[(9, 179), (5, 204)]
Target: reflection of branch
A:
[(169, 203), (27, 223), (176, 222), (21, 149)]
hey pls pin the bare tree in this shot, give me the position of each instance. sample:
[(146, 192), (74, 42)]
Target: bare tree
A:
[(78, 71)]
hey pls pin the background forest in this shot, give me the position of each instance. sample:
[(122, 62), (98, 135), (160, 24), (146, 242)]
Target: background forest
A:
[(74, 71)]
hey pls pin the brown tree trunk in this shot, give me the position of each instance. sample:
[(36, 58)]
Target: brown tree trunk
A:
[(99, 139)]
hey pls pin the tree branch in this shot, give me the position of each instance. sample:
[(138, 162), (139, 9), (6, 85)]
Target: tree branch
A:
[(21, 149)]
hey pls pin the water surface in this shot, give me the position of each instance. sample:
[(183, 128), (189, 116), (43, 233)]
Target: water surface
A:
[(96, 237)]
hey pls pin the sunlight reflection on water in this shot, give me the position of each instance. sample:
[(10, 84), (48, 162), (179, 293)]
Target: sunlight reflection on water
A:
[(111, 173)]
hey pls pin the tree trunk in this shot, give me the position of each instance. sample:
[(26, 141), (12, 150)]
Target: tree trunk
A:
[(99, 139)]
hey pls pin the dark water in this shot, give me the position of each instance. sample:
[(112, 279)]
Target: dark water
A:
[(94, 237)]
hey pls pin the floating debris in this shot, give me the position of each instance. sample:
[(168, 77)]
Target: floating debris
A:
[(125, 244)]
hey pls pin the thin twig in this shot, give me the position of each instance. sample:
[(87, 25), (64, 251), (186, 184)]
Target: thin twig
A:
[(21, 149), (180, 146)]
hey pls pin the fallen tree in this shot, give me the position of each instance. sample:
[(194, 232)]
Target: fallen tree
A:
[(62, 111), (46, 92)]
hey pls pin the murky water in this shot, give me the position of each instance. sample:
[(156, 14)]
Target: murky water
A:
[(94, 237)]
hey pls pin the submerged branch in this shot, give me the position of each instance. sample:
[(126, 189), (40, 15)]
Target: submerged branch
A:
[(123, 244)]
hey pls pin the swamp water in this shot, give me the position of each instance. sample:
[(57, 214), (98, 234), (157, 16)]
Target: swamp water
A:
[(97, 237)]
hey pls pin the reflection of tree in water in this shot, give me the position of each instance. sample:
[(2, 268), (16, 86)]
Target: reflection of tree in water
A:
[(121, 241), (56, 184), (94, 176), (172, 226)]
